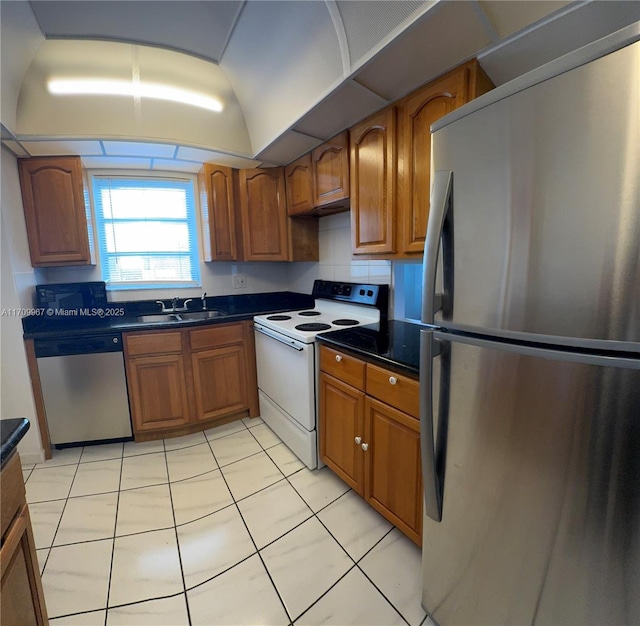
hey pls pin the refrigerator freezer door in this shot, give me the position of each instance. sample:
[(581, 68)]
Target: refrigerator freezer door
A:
[(546, 207), (540, 484)]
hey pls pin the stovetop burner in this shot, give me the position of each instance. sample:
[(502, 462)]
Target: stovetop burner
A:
[(345, 322), (309, 313), (279, 318), (313, 326)]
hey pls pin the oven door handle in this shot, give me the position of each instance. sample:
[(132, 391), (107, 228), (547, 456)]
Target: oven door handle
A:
[(291, 343)]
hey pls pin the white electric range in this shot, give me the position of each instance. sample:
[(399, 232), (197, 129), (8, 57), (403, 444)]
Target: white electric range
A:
[(287, 360)]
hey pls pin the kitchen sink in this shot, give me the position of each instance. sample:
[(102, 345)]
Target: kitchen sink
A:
[(158, 317), (200, 315), (188, 316)]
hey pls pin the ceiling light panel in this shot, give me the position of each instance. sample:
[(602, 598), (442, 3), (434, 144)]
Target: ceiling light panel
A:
[(133, 148), (134, 89)]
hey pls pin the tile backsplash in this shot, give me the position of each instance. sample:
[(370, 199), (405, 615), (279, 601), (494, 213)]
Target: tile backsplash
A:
[(336, 259)]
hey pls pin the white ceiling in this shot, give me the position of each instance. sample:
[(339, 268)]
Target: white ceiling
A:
[(199, 28), (298, 71)]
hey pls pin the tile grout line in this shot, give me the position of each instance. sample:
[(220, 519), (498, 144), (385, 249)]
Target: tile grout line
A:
[(66, 500), (113, 544), (315, 514), (175, 530), (356, 563), (264, 565)]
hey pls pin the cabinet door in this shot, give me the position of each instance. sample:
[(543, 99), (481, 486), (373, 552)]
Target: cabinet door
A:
[(219, 188), (341, 421), (55, 211), (157, 392), (264, 215), (393, 483), (220, 381), (299, 183), (22, 596), (373, 184), (331, 171), (416, 114)]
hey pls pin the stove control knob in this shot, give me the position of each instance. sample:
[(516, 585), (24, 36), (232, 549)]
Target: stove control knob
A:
[(365, 446), (393, 380), (338, 358), (358, 440)]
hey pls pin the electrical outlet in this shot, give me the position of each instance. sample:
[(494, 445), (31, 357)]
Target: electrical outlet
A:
[(239, 281)]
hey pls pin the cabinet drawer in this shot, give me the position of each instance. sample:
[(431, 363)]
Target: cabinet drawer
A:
[(13, 491), (153, 343), (395, 389), (215, 336), (346, 368)]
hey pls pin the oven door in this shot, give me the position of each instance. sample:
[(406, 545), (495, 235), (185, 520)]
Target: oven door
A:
[(286, 375)]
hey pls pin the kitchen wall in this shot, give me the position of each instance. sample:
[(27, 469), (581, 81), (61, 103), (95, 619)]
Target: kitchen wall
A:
[(336, 260), (336, 263), (216, 280), (17, 281)]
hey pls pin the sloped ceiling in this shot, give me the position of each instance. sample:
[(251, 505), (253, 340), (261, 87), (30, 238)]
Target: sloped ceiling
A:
[(202, 29), (293, 72)]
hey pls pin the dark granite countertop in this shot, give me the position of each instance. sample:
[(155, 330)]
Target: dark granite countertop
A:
[(235, 308), (393, 343), (11, 433)]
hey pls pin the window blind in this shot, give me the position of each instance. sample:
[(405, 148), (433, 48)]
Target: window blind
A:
[(147, 233)]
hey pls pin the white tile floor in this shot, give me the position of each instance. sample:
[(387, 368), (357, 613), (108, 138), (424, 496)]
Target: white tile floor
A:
[(223, 527)]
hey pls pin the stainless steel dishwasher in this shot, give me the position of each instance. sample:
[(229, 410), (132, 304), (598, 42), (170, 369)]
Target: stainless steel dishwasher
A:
[(84, 388)]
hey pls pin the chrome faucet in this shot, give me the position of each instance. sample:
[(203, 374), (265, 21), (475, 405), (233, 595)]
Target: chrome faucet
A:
[(161, 303), (204, 301), (184, 304), (174, 303)]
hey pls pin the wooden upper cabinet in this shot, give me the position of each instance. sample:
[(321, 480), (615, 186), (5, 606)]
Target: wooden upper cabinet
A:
[(55, 211), (218, 202), (373, 183), (264, 215), (330, 163), (268, 234), (299, 182), (416, 113)]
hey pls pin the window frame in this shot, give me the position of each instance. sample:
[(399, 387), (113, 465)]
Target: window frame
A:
[(193, 224)]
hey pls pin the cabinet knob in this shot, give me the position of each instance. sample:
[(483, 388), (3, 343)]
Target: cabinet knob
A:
[(358, 440), (338, 358), (393, 380), (365, 446)]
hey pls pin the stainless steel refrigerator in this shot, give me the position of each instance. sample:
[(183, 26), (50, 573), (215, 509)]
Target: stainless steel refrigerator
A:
[(530, 374)]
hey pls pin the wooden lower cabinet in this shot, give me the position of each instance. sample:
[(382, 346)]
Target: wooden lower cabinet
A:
[(22, 601), (393, 484), (182, 381), (373, 446), (219, 380), (342, 411), (158, 392)]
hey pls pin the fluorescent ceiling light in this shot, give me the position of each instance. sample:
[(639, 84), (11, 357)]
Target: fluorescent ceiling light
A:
[(134, 89)]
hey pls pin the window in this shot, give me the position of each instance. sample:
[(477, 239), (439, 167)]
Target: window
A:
[(147, 233)]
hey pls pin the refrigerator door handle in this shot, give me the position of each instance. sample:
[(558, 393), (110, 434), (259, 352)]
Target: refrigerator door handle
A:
[(431, 484), (441, 196)]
